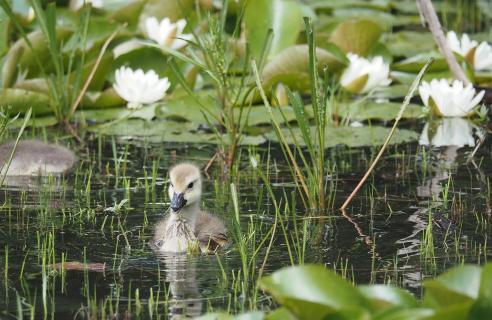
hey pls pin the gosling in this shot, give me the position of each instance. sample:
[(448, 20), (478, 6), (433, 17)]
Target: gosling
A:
[(187, 227), (35, 157)]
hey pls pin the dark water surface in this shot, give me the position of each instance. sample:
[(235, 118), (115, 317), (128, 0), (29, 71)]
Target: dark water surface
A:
[(380, 239)]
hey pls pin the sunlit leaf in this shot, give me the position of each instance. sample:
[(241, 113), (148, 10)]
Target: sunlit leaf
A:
[(263, 15), (352, 136), (312, 291), (356, 35), (290, 67), (18, 100)]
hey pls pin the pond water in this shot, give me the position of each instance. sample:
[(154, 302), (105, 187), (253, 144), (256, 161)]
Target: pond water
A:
[(420, 213)]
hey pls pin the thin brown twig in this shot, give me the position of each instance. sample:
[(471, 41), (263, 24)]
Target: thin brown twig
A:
[(397, 120), (429, 14)]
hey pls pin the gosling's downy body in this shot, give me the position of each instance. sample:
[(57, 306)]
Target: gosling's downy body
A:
[(34, 157), (187, 226)]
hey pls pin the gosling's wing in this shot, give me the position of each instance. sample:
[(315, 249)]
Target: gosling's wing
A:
[(211, 232), (159, 233)]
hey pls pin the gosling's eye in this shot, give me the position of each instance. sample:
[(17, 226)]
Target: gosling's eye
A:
[(190, 185)]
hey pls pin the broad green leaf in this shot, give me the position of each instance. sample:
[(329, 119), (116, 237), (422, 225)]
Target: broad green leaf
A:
[(290, 67), (105, 114), (384, 297), (129, 14), (312, 291), (482, 308), (99, 29), (253, 315), (409, 43), (405, 314), (18, 100), (166, 131), (145, 58), (4, 33), (415, 63), (27, 61), (456, 286), (356, 35), (9, 67), (280, 314), (384, 111), (283, 17), (352, 137), (104, 99)]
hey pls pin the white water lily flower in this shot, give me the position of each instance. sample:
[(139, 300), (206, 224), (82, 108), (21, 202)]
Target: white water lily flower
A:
[(449, 132), (461, 46), (482, 60), (363, 75), (479, 55), (166, 33), (447, 100), (139, 88)]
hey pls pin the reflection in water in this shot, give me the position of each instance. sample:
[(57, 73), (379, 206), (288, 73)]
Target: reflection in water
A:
[(447, 135), (185, 300)]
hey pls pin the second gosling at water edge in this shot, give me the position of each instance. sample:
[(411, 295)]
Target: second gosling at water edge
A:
[(187, 226)]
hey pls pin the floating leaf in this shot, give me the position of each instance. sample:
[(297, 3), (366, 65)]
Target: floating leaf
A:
[(264, 15), (409, 43), (27, 61), (129, 14), (290, 67), (356, 35), (415, 63), (18, 100), (352, 137), (313, 292), (105, 114), (456, 286), (384, 297), (103, 99), (482, 309), (384, 111)]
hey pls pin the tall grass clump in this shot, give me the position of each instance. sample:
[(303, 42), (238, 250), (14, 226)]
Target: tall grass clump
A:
[(63, 73), (214, 54), (307, 166)]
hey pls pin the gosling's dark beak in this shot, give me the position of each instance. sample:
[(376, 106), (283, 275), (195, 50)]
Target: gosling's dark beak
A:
[(178, 202)]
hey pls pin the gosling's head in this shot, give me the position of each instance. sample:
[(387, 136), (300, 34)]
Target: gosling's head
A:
[(185, 187)]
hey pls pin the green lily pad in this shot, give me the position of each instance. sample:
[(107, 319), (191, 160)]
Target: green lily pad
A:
[(27, 61), (105, 114), (417, 62), (103, 99), (409, 43), (166, 131), (313, 292), (356, 35), (383, 111), (262, 15), (290, 67), (351, 136), (18, 100), (383, 297), (460, 285)]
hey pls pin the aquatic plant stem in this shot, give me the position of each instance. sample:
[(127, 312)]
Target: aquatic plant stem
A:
[(429, 14), (406, 101)]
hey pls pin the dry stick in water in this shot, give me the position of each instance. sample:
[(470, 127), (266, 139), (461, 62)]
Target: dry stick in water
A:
[(397, 119), (427, 11)]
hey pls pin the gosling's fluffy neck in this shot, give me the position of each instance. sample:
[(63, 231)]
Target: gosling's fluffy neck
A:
[(188, 213)]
